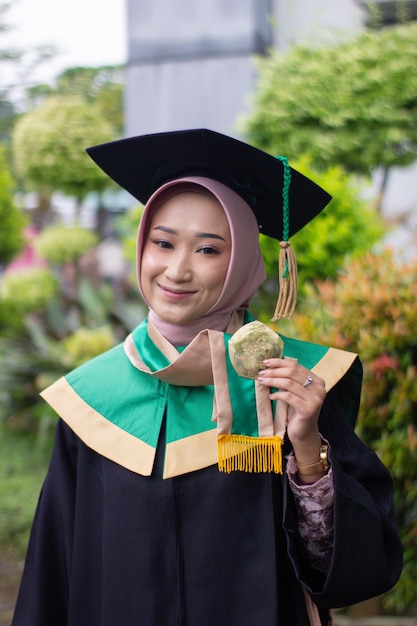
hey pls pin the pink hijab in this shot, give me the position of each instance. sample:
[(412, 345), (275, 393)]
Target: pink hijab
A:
[(246, 270)]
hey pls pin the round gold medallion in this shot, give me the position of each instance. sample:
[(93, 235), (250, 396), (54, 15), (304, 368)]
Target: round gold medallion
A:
[(251, 345)]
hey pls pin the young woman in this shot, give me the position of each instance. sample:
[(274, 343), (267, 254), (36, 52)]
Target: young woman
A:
[(168, 501)]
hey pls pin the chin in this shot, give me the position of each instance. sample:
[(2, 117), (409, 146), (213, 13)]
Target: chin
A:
[(173, 319)]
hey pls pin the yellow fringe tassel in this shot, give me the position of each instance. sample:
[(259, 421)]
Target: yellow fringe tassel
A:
[(250, 454), (288, 278)]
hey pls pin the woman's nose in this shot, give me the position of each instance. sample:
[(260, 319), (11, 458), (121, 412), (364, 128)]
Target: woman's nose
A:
[(179, 268)]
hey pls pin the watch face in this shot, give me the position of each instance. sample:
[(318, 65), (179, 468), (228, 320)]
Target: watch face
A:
[(323, 457)]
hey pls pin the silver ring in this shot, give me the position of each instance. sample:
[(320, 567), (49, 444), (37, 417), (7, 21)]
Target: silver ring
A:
[(308, 381)]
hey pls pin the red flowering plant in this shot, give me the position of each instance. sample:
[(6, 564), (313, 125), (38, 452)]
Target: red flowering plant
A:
[(371, 309)]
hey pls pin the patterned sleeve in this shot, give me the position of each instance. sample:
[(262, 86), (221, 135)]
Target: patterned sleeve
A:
[(314, 504)]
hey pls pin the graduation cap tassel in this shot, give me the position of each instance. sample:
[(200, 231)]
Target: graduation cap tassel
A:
[(288, 278), (287, 264)]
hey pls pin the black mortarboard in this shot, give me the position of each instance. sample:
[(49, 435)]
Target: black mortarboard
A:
[(282, 199), (142, 164)]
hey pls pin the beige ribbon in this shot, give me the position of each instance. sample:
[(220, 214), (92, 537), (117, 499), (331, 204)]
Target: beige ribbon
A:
[(203, 362)]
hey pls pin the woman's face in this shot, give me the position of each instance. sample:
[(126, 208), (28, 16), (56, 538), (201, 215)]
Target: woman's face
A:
[(185, 257)]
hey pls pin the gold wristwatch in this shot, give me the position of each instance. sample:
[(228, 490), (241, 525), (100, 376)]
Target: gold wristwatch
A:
[(321, 466)]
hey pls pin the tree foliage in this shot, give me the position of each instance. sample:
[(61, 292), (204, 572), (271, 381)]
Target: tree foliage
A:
[(48, 146), (101, 87), (61, 244), (28, 290), (7, 56), (17, 70), (352, 104), (371, 310), (12, 220)]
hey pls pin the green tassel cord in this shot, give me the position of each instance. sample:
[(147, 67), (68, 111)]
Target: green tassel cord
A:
[(287, 264)]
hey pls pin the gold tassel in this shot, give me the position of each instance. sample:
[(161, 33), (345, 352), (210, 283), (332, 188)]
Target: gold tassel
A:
[(288, 278), (250, 454)]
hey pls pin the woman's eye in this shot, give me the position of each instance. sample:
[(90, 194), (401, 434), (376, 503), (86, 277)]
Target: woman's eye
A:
[(162, 243), (208, 250)]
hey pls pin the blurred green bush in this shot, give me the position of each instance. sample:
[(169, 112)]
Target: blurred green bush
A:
[(371, 309)]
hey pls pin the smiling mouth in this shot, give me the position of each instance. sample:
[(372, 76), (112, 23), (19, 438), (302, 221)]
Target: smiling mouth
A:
[(176, 293)]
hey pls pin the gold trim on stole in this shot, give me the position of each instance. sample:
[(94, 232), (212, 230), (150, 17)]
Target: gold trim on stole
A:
[(182, 456), (333, 366), (191, 453), (97, 432)]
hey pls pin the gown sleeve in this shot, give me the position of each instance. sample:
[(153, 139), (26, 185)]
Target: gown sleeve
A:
[(314, 504), (367, 555), (43, 593)]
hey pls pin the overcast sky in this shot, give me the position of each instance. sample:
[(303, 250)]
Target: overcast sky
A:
[(87, 32)]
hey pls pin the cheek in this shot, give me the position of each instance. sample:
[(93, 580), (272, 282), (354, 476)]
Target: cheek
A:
[(216, 277), (146, 271), (148, 263)]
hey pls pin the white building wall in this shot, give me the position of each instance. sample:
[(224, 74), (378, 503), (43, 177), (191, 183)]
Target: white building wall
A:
[(191, 94), (190, 62)]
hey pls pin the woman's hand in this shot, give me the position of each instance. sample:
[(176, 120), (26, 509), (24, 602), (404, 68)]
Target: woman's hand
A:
[(304, 392)]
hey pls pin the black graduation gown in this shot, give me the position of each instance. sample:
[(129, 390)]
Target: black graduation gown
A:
[(112, 548)]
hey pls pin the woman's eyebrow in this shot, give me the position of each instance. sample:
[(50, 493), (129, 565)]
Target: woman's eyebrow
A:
[(172, 231), (210, 235)]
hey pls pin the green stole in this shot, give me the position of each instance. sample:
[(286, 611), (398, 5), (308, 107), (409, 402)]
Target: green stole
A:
[(116, 402)]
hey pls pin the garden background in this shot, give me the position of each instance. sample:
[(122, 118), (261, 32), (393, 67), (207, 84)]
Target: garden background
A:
[(67, 240)]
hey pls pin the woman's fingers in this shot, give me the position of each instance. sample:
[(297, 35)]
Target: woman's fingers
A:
[(289, 375), (300, 388)]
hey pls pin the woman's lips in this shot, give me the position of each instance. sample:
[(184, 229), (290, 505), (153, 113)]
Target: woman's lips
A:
[(175, 294)]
